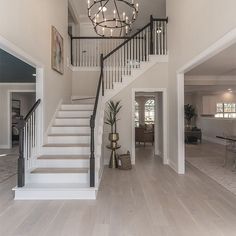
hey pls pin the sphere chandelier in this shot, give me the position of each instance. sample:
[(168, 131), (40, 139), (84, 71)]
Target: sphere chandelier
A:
[(112, 18)]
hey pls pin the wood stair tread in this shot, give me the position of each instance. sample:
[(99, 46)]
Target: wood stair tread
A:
[(59, 171), (67, 145), (63, 157)]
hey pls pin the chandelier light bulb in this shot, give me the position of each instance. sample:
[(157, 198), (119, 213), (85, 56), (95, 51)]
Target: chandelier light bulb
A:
[(127, 19), (137, 6), (123, 16), (114, 13), (111, 32), (88, 3), (103, 30), (132, 1)]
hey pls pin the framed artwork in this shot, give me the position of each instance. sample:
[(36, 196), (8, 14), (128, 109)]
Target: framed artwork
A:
[(57, 51)]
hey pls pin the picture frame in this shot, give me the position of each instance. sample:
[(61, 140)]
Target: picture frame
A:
[(57, 51)]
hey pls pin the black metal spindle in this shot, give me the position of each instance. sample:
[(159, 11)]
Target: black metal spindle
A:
[(151, 35)]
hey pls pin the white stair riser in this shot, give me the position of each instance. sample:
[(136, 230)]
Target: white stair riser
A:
[(68, 139), (63, 163), (66, 150), (77, 107), (72, 121), (54, 194), (74, 113), (58, 178), (70, 130)]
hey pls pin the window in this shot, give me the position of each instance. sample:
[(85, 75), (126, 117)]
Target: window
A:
[(136, 114), (225, 110), (150, 111)]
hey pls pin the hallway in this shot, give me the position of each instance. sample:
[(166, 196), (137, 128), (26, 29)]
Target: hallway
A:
[(151, 199)]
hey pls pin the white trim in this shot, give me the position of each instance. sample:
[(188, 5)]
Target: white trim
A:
[(9, 110), (16, 84), (5, 147), (226, 41), (165, 127), (14, 50), (181, 143)]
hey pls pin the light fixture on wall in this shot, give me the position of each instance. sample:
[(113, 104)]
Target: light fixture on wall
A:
[(112, 18)]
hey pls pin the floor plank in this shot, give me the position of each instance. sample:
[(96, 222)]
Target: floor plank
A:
[(151, 199)]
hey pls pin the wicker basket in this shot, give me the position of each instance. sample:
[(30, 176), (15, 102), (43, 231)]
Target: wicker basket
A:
[(125, 161)]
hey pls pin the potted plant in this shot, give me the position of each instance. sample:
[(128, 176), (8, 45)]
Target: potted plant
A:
[(111, 119), (189, 113)]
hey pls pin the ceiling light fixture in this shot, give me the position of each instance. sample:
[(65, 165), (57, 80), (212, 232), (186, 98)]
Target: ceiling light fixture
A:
[(112, 18)]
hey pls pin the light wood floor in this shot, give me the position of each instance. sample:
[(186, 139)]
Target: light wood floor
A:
[(150, 200)]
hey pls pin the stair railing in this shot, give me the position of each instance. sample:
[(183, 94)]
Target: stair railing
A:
[(86, 51), (118, 62), (28, 142), (150, 40)]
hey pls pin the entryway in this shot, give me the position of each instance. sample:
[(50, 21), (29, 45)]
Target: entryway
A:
[(149, 132)]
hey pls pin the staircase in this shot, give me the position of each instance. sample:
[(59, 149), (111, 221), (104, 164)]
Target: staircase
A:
[(68, 165), (62, 171)]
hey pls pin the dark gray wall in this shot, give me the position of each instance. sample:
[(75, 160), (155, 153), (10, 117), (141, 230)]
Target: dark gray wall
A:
[(13, 70)]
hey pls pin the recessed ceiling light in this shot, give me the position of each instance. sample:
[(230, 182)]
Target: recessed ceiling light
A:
[(103, 9), (229, 89)]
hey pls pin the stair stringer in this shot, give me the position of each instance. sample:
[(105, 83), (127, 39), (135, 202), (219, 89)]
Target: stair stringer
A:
[(98, 139), (135, 73)]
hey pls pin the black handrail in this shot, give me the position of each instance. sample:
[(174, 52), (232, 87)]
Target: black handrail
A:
[(92, 125), (21, 160), (101, 85), (34, 107), (126, 41)]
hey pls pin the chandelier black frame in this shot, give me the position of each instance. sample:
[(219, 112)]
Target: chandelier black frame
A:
[(119, 24)]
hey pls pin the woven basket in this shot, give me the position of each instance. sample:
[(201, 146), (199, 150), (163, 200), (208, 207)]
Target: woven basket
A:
[(125, 161)]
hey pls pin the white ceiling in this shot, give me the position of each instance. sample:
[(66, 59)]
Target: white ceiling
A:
[(157, 8), (223, 63)]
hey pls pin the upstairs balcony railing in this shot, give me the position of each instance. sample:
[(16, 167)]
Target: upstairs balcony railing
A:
[(86, 51)]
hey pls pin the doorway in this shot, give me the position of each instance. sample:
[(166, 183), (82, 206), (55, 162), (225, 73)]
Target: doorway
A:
[(149, 131), (20, 105)]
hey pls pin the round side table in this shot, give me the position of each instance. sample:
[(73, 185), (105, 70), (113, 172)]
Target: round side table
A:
[(113, 158)]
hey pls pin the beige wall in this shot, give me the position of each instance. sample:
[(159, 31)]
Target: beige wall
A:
[(84, 83), (156, 77), (5, 90), (193, 27), (27, 24)]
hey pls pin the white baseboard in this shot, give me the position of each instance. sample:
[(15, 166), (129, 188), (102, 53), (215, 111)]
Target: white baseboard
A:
[(5, 147), (214, 140), (173, 166)]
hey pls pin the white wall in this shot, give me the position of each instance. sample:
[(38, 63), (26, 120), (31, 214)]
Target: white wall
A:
[(5, 109), (84, 83), (27, 24), (156, 77), (193, 26)]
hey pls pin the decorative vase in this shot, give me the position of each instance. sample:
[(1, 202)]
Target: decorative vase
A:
[(113, 137)]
